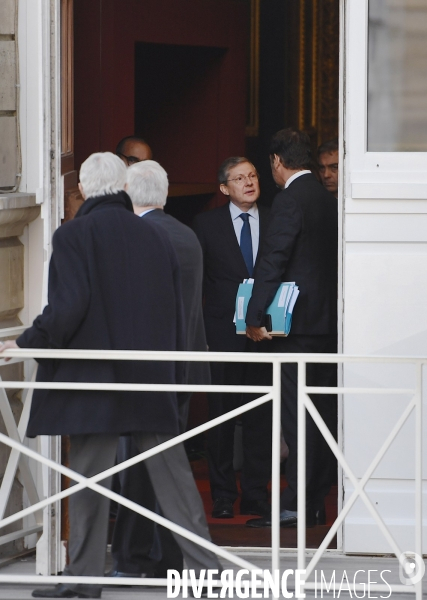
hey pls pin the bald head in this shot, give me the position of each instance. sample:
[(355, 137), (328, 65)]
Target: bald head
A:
[(133, 149)]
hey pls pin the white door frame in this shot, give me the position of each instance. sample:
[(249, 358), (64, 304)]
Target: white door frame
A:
[(384, 204)]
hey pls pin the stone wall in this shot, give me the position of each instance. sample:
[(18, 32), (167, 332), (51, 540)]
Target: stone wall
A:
[(9, 148), (16, 211)]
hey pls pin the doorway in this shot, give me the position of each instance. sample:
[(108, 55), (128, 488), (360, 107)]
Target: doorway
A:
[(200, 83), (176, 110)]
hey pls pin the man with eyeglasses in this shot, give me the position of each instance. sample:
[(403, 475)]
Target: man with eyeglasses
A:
[(133, 149), (230, 237)]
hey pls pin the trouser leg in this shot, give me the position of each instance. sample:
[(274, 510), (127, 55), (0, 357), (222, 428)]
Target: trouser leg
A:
[(288, 498), (171, 555), (179, 499), (256, 427), (183, 399), (221, 438), (133, 534), (88, 510), (321, 463), (319, 459)]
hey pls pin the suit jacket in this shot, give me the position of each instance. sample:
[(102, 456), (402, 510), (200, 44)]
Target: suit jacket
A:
[(224, 270), (190, 261), (301, 245), (114, 284)]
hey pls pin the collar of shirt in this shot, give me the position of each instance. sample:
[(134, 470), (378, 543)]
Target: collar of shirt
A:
[(235, 211), (146, 211), (295, 176)]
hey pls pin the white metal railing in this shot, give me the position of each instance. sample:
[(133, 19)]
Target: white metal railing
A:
[(269, 393), (16, 459)]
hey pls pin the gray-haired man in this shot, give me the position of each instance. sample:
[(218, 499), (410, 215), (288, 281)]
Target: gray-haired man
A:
[(97, 302), (147, 186)]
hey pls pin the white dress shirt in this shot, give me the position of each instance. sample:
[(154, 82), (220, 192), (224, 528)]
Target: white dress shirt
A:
[(295, 176), (253, 213), (146, 211)]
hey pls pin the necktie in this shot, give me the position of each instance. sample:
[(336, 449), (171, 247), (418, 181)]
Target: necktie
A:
[(246, 243)]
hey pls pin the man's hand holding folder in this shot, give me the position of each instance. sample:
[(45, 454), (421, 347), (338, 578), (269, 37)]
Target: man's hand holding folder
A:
[(257, 334), (278, 316)]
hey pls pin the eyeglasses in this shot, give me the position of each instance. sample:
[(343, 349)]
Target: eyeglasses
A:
[(241, 179), (131, 160)]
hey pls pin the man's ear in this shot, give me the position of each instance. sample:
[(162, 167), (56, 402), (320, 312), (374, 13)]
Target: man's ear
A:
[(276, 161), (81, 191), (224, 189), (126, 187)]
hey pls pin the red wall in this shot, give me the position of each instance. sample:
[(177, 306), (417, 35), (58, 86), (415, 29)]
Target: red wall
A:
[(177, 105), (199, 134)]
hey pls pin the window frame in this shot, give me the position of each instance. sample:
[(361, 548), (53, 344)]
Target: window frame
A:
[(373, 175)]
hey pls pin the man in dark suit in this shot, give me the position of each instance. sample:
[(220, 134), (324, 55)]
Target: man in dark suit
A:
[(301, 245), (230, 237), (114, 284), (134, 536)]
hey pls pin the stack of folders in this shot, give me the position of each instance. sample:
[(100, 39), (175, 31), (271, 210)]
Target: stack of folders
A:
[(278, 315)]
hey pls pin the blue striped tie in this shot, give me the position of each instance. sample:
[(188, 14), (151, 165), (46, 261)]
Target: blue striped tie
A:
[(246, 243)]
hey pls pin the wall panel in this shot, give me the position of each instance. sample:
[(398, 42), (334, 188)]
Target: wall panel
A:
[(106, 34)]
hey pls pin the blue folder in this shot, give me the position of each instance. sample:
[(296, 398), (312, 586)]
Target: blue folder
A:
[(280, 310)]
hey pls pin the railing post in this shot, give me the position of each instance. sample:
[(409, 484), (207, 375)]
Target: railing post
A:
[(48, 548), (419, 472), (301, 463), (275, 469)]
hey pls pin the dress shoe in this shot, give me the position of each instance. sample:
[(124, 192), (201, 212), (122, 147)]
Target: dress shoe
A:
[(255, 507), (223, 509), (315, 516), (258, 523), (288, 518), (115, 573), (122, 574), (62, 591)]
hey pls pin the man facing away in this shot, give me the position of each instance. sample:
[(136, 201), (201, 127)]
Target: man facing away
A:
[(301, 245), (139, 548), (230, 237), (327, 158), (114, 284), (147, 186)]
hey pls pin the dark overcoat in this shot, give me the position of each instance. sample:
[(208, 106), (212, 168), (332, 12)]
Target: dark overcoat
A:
[(114, 284), (190, 260)]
